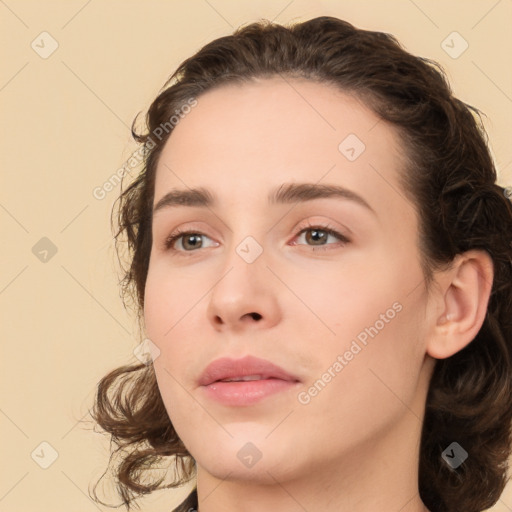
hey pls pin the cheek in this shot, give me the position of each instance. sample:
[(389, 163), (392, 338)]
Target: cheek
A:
[(178, 402), (169, 298), (354, 305), (172, 304), (166, 326), (156, 303), (376, 373), (392, 357), (379, 333)]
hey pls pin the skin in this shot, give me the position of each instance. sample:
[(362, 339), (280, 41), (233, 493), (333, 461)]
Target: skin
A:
[(355, 445)]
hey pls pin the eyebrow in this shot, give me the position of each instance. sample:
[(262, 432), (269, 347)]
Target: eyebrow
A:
[(285, 194)]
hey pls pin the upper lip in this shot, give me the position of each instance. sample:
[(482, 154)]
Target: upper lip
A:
[(227, 368)]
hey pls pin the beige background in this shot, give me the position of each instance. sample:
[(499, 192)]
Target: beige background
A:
[(65, 131)]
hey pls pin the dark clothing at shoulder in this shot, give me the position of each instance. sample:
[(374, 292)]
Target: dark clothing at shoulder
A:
[(190, 504)]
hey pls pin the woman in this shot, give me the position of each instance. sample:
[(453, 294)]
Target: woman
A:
[(321, 259)]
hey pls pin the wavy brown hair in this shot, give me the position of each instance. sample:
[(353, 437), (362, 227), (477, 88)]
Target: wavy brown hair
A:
[(451, 180)]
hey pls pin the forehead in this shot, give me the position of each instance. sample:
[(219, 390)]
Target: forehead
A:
[(244, 139)]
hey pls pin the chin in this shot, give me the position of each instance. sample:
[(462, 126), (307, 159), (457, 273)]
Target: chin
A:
[(247, 457), (227, 466)]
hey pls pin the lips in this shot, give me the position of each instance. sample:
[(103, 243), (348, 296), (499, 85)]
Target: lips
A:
[(249, 368)]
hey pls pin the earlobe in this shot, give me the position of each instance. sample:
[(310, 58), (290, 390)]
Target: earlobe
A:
[(467, 287)]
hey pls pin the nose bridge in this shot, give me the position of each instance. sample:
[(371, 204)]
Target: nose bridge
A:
[(245, 260), (243, 292), (247, 235)]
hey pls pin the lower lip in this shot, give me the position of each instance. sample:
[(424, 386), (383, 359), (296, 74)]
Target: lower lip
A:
[(246, 392)]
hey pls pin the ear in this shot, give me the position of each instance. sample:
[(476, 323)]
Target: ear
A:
[(461, 303)]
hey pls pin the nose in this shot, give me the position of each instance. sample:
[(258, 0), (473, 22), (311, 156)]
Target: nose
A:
[(245, 297)]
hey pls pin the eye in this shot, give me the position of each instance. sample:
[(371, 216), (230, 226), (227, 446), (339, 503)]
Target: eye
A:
[(193, 238), (320, 234)]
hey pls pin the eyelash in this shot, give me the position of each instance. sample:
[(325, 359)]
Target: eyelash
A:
[(169, 241)]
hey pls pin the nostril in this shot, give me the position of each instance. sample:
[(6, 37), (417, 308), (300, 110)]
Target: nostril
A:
[(256, 316)]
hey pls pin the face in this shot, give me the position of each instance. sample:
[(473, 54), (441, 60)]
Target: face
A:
[(327, 287)]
